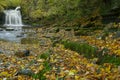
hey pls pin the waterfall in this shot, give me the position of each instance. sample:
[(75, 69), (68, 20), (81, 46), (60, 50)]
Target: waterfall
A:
[(13, 17)]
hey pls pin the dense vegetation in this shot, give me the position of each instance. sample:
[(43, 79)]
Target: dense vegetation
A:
[(76, 12)]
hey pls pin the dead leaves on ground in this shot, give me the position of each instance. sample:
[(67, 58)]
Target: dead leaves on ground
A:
[(112, 44), (70, 65), (66, 64)]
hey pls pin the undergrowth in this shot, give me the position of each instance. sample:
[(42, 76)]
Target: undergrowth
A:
[(91, 52)]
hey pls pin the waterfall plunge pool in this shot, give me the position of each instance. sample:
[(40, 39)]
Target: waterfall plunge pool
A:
[(12, 34), (16, 34)]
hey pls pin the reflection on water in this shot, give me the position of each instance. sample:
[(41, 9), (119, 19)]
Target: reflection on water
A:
[(13, 34)]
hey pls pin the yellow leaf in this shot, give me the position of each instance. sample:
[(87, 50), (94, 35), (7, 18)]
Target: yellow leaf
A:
[(77, 78), (72, 72), (4, 74), (41, 67)]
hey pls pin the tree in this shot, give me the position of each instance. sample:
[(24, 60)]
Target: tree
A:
[(3, 4)]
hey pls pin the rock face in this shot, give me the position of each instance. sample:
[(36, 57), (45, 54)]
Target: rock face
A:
[(22, 53)]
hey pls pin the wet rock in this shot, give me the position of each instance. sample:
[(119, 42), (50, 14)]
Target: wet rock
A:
[(25, 72), (50, 35), (26, 52), (1, 29), (23, 53), (54, 30), (45, 42), (20, 35), (1, 51), (9, 29), (110, 25), (7, 65), (117, 35), (42, 42), (67, 29)]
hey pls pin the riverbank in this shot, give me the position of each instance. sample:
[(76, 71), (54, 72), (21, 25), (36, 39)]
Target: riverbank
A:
[(47, 58)]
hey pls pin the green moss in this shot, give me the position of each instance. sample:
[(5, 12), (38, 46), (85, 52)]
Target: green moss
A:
[(82, 48), (44, 55), (83, 32), (91, 52), (29, 41)]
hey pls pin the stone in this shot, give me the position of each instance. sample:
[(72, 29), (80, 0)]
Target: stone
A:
[(1, 51), (25, 72), (54, 30), (44, 42), (22, 53), (117, 35), (26, 52), (9, 29), (110, 25), (1, 29), (20, 35), (50, 35)]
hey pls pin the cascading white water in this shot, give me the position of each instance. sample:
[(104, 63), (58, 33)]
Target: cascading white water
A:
[(13, 17)]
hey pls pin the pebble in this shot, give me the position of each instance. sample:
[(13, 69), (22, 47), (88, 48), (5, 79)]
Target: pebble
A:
[(25, 72)]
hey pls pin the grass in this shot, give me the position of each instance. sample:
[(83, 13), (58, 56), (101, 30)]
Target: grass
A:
[(29, 41), (91, 52), (46, 64), (82, 48), (40, 75), (44, 55), (84, 32)]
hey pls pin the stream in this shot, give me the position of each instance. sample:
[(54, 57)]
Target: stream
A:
[(13, 34)]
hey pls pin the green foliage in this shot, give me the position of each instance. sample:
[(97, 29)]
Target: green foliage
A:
[(92, 52), (29, 41), (87, 12), (45, 55), (104, 57), (83, 32), (46, 64), (110, 59), (36, 14), (82, 48), (13, 3), (3, 4), (40, 75), (9, 4)]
